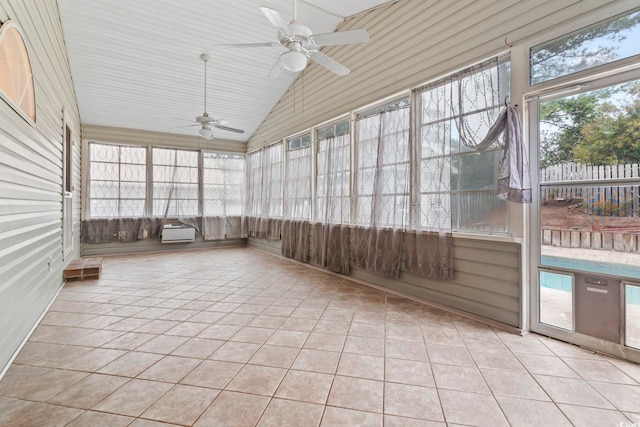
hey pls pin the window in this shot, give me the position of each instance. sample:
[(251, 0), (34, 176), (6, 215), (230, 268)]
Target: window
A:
[(457, 183), (223, 182), (333, 174), (175, 182), (272, 178), (254, 184), (608, 41), (117, 181), (16, 79), (382, 179), (298, 178)]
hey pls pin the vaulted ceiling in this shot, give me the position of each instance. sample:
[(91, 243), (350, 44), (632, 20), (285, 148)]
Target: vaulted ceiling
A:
[(136, 64)]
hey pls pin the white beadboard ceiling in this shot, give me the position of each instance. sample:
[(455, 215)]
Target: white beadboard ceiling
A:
[(136, 64)]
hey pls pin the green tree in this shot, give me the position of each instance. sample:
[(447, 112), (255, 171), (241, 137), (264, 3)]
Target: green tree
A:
[(613, 135)]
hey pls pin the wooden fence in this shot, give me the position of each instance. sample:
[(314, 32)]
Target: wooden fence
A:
[(620, 200)]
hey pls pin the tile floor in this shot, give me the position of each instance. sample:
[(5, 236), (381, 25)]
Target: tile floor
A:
[(237, 337)]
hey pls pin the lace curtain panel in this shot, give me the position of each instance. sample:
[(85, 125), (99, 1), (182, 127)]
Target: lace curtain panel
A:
[(331, 232), (263, 200), (382, 185)]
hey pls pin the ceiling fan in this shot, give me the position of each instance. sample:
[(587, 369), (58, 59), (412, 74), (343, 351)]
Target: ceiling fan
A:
[(205, 121), (302, 44)]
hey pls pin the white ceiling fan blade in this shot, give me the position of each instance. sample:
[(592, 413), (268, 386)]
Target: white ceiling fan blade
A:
[(186, 126), (329, 63), (341, 37), (275, 19), (267, 44), (277, 67), (228, 129)]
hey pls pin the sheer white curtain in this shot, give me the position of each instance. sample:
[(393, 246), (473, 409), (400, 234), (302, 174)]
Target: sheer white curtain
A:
[(297, 201), (331, 231), (253, 194), (382, 186), (271, 209), (222, 200)]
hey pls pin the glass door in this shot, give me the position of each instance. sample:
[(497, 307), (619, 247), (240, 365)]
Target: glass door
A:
[(587, 208)]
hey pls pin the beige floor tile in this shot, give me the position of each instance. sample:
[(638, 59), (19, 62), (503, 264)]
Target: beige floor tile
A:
[(593, 417), (198, 348), (91, 418), (263, 380), (231, 409), (363, 345), (281, 413), (34, 383), (317, 361), (158, 326), (348, 417), (129, 341), (271, 355), (367, 330), (513, 384), (408, 372), (404, 333), (442, 336), (305, 386), (162, 344), (87, 392), (546, 365), (288, 338), (528, 344), (634, 418), (253, 335), (181, 405), (460, 378), (220, 332), (278, 310), (59, 357), (471, 409), (187, 329), (133, 398), (624, 397), (598, 370), (406, 350), (213, 374), (498, 359), (326, 342), (239, 352), (170, 369), (239, 319), (272, 322), (572, 391), (412, 401), (356, 393), (395, 421), (449, 354), (32, 352), (298, 324), (129, 324), (361, 366), (131, 364), (207, 317), (346, 315), (140, 422), (338, 327), (20, 413), (526, 413)]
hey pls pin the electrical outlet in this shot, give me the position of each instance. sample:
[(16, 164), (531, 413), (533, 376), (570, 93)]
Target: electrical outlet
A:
[(50, 263)]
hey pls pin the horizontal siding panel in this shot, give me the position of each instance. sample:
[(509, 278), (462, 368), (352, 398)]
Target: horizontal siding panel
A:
[(153, 245), (411, 42), (31, 177)]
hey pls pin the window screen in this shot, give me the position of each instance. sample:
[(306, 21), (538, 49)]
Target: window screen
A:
[(223, 184), (175, 182)]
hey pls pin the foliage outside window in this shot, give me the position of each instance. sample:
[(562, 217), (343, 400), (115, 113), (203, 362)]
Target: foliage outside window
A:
[(16, 79), (610, 40), (175, 182), (223, 184), (117, 177), (298, 179)]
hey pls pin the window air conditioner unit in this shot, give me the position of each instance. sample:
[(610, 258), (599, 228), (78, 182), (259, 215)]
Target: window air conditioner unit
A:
[(178, 233)]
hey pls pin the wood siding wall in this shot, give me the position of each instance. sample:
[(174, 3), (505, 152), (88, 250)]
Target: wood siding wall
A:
[(415, 41), (487, 279), (31, 178)]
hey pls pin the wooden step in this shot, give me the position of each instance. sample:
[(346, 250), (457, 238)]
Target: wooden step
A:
[(83, 268)]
